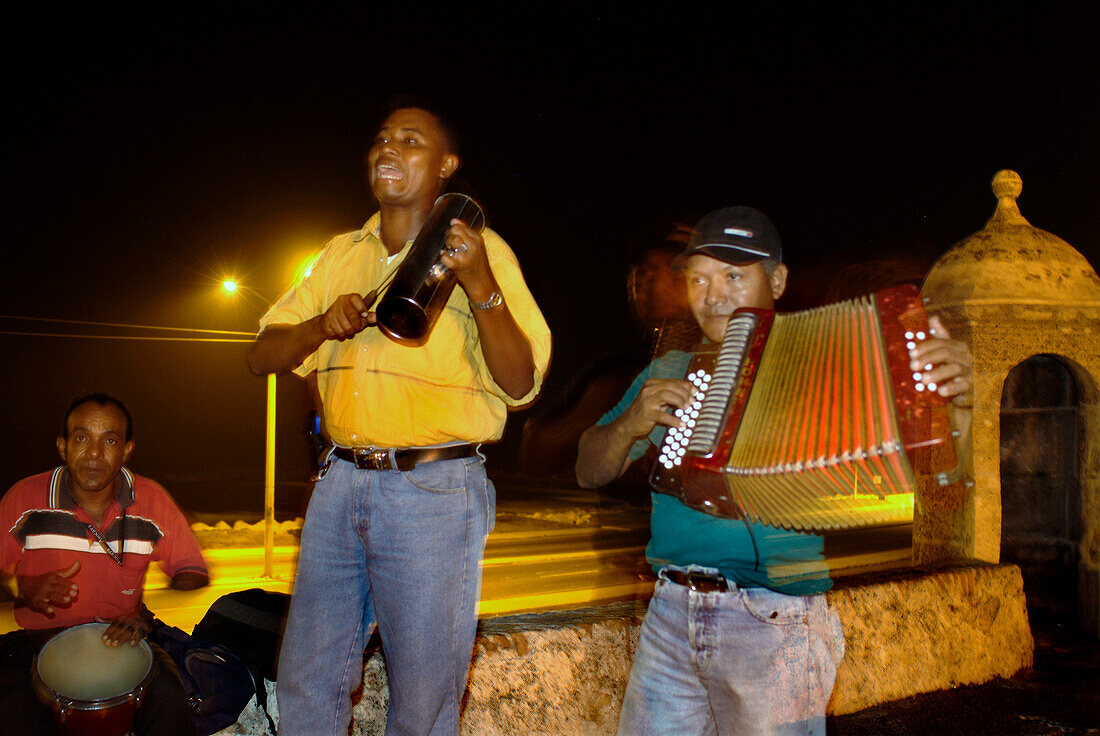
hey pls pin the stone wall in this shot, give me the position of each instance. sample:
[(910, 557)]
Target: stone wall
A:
[(538, 674), (564, 673)]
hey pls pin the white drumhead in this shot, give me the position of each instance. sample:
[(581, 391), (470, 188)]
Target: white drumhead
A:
[(77, 664)]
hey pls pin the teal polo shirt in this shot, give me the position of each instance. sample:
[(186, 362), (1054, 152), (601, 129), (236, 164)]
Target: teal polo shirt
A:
[(750, 554)]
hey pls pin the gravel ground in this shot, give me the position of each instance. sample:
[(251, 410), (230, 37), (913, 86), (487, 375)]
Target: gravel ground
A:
[(1059, 695)]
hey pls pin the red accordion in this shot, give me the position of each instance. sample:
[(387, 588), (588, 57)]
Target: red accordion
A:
[(811, 420)]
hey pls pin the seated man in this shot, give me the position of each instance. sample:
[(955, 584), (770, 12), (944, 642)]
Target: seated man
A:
[(729, 644), (76, 542)]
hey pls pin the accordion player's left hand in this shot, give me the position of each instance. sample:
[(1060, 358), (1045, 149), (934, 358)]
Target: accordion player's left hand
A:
[(944, 363)]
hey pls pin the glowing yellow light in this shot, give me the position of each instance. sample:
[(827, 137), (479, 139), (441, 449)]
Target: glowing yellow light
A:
[(229, 285), (305, 267)]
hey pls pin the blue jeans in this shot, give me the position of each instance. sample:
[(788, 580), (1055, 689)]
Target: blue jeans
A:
[(400, 549), (747, 661)]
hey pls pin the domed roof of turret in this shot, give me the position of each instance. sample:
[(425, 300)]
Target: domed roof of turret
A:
[(1010, 261)]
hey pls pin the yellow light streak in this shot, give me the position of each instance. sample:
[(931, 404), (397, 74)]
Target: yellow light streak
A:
[(563, 599)]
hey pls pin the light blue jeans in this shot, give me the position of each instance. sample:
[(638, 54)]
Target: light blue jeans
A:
[(749, 661), (401, 550)]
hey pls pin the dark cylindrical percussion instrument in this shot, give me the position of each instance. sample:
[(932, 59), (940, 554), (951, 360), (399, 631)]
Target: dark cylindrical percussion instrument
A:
[(422, 284)]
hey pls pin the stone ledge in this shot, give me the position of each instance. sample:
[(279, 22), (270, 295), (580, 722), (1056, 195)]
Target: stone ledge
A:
[(553, 673), (918, 631), (564, 673)]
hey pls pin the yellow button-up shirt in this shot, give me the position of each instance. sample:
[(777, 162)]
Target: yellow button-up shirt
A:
[(378, 392)]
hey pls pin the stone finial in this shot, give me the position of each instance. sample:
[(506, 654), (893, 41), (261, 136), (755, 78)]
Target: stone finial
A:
[(1007, 186)]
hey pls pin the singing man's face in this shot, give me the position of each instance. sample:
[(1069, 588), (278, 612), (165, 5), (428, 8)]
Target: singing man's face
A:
[(409, 162), (716, 289)]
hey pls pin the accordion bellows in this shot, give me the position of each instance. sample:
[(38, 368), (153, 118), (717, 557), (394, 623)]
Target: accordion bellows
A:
[(811, 420)]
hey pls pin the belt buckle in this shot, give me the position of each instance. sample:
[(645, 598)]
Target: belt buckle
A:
[(372, 458), (705, 582)]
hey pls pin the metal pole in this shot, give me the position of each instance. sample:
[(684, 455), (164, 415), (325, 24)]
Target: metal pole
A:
[(269, 482)]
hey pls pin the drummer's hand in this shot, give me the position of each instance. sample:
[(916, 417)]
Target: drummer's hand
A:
[(130, 627), (42, 592), (465, 255), (952, 365)]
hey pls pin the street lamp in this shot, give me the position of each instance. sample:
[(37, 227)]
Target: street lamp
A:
[(232, 287)]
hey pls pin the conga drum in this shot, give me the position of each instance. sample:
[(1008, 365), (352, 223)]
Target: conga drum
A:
[(93, 689)]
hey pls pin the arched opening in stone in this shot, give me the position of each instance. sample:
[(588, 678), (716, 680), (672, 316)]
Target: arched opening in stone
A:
[(1042, 432)]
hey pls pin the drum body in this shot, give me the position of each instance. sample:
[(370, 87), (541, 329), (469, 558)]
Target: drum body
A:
[(93, 689)]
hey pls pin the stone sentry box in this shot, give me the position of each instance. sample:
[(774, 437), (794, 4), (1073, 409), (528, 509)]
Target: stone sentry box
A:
[(1018, 293)]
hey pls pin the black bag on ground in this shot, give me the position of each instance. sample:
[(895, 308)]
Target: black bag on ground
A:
[(250, 624), (217, 683)]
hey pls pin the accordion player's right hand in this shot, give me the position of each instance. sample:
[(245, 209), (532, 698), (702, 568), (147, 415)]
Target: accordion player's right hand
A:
[(656, 404)]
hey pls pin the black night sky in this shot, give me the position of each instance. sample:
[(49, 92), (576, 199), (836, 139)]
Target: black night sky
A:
[(150, 152)]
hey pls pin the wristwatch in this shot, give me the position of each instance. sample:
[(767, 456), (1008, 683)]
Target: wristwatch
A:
[(495, 300)]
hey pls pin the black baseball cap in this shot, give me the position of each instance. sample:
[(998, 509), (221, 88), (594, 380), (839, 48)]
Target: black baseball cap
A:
[(737, 235)]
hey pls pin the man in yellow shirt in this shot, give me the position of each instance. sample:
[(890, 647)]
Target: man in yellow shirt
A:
[(396, 527)]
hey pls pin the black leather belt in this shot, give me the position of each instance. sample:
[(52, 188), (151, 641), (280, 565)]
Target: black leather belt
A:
[(382, 458), (703, 582)]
